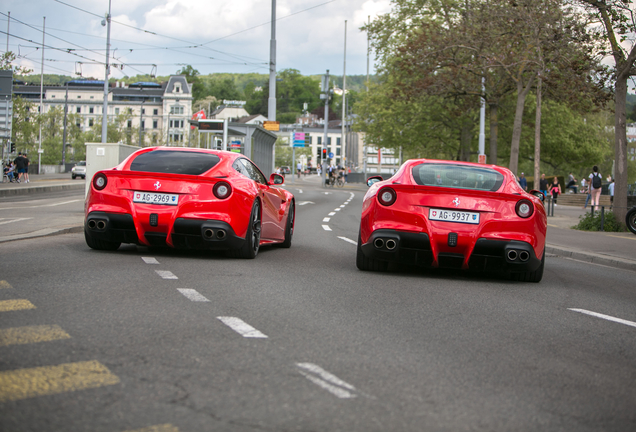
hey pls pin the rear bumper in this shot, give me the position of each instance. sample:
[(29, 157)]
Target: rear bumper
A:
[(508, 256), (200, 234)]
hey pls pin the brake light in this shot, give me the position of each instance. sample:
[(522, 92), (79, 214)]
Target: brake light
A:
[(99, 181), (222, 190), (387, 196), (524, 208)]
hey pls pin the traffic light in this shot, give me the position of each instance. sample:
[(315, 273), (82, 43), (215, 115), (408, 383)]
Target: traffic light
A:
[(324, 154), (12, 147)]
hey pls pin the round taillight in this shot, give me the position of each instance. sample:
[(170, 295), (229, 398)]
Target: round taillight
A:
[(222, 190), (387, 196), (99, 181), (524, 208)]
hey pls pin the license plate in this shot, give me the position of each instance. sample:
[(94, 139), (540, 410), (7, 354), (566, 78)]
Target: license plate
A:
[(453, 216), (156, 198)]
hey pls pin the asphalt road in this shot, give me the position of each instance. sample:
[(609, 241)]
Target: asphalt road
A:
[(300, 340)]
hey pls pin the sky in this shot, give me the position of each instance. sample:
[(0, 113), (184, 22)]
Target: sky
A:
[(212, 35)]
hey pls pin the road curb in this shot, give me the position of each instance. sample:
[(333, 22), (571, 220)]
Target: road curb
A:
[(591, 257), (22, 190), (43, 233)]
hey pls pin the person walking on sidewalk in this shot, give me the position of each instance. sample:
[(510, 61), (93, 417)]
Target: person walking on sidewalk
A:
[(19, 166), (523, 182), (26, 168), (543, 185), (611, 192), (555, 189), (596, 183)]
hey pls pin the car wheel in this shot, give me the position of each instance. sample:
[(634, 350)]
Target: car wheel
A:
[(73, 176), (289, 229), (630, 220), (533, 276), (368, 264), (100, 244), (249, 250)]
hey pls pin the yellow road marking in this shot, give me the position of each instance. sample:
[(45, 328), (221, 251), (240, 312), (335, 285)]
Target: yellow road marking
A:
[(48, 380), (31, 334), (5, 284), (15, 305), (628, 238), (158, 428), (554, 226)]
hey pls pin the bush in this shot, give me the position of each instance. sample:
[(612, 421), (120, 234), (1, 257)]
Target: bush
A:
[(587, 222)]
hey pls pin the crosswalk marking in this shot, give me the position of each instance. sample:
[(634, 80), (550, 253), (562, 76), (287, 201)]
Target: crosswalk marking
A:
[(150, 260), (241, 327), (48, 380), (326, 228), (157, 428), (5, 284), (193, 295), (15, 305), (166, 274), (31, 334)]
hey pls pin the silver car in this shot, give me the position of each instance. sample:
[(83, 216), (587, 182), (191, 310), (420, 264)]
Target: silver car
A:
[(79, 170)]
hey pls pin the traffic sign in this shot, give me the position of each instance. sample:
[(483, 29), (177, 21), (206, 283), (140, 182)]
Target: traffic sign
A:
[(273, 126), (482, 159), (330, 155)]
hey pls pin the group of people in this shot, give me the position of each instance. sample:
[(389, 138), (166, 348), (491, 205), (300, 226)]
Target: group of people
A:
[(592, 187), (18, 169)]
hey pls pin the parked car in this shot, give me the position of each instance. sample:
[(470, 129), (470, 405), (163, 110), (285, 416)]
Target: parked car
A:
[(189, 199), (79, 170), (456, 215), (285, 170)]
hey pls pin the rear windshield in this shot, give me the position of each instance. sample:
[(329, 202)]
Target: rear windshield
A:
[(174, 162), (457, 176)]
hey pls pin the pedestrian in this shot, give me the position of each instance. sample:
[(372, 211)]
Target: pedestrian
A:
[(555, 189), (19, 166), (26, 167), (571, 183), (543, 185), (523, 182), (299, 168), (596, 184), (611, 192)]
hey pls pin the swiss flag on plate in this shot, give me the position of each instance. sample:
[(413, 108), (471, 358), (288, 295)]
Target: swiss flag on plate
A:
[(434, 213)]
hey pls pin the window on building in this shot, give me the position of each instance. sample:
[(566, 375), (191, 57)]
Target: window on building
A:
[(155, 124), (117, 111), (129, 123), (92, 97), (337, 141), (176, 109), (52, 96), (79, 96), (319, 140), (338, 150), (78, 110), (328, 140), (90, 122), (129, 110), (78, 123), (155, 111), (181, 124), (90, 110)]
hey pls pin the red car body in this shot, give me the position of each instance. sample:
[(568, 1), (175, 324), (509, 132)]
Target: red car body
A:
[(453, 214), (189, 199)]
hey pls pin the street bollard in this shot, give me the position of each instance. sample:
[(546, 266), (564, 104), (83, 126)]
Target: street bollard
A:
[(602, 217)]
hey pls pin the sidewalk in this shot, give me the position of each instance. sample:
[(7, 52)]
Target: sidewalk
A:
[(611, 249), (42, 183)]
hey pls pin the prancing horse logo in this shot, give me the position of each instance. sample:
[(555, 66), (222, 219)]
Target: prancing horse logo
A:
[(456, 202), (158, 185)]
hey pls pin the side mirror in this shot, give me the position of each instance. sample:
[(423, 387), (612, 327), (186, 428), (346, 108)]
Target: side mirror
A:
[(373, 180), (276, 179), (538, 194)]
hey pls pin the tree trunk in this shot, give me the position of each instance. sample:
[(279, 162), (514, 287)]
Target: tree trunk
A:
[(537, 139), (494, 124), (516, 129), (465, 141), (620, 148)]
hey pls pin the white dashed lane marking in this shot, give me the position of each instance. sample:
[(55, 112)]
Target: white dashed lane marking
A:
[(192, 295), (326, 228), (605, 317), (348, 240), (241, 327), (332, 213), (301, 203), (150, 260), (326, 380), (4, 221), (165, 274), (337, 209), (300, 191), (326, 219)]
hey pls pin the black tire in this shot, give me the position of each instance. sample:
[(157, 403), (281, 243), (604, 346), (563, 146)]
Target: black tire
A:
[(368, 264), (630, 220), (289, 228), (533, 276), (73, 176), (249, 250), (100, 244)]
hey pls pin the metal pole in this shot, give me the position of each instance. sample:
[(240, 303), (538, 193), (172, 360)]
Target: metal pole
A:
[(65, 130), (482, 123), (226, 123), (324, 140), (8, 24), (364, 148), (105, 108), (41, 97), (271, 102), (343, 137), (141, 123)]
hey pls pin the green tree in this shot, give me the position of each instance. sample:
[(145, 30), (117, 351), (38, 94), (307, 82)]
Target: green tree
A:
[(193, 77)]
